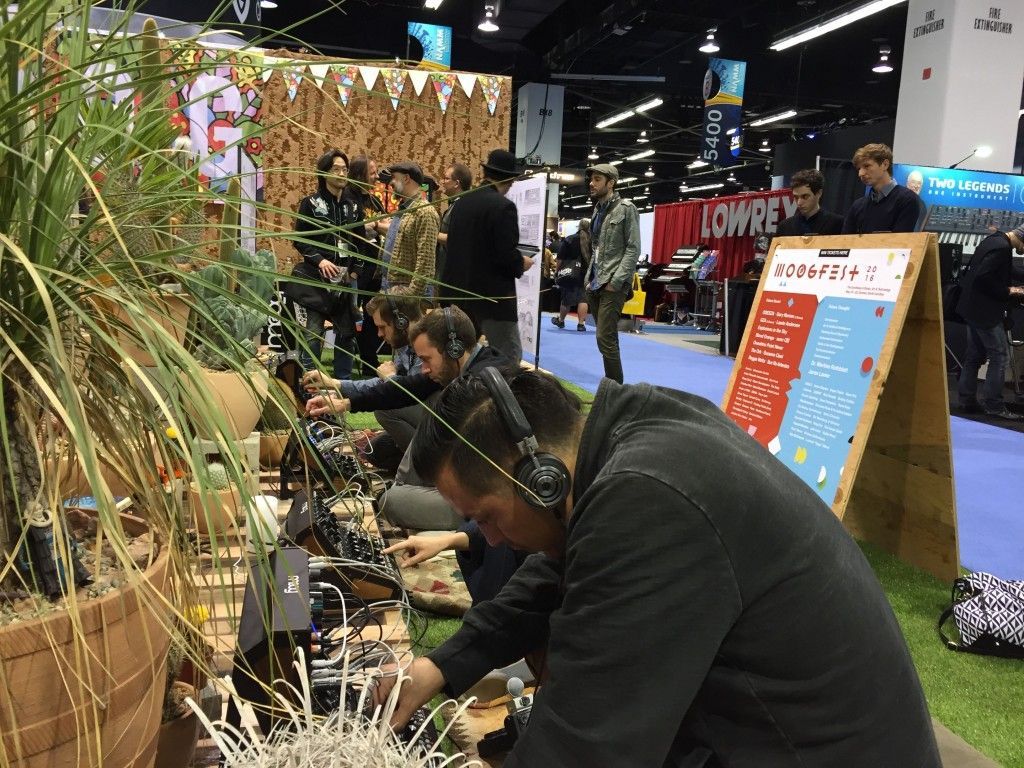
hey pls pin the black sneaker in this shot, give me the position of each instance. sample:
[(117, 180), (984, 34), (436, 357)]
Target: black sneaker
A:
[(581, 327), (1004, 414), (558, 322)]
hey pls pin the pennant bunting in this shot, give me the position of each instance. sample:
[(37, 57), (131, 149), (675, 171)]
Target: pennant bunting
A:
[(319, 72), (468, 83), (345, 78), (444, 87), (369, 76), (419, 79), (293, 78), (491, 86), (268, 67), (394, 82)]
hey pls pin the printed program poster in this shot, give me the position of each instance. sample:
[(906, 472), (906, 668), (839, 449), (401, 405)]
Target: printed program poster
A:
[(811, 351), (530, 196)]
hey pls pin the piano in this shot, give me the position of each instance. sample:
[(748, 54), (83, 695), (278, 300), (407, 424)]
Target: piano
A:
[(966, 227)]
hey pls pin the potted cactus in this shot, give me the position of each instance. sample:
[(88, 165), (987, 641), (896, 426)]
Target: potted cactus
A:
[(215, 501)]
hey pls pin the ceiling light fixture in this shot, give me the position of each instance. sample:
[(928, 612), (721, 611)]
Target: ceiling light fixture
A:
[(710, 46), (642, 138), (774, 118), (649, 173), (593, 154), (698, 164), (837, 22), (488, 25), (432, 4), (651, 104), (584, 205), (764, 147), (615, 162), (627, 180), (983, 151), (705, 187), (731, 176), (883, 66), (268, 4), (641, 155), (618, 117)]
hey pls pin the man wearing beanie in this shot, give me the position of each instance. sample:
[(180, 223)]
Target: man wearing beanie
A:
[(986, 290)]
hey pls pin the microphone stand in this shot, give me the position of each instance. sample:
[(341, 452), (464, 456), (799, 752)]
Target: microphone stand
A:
[(973, 153)]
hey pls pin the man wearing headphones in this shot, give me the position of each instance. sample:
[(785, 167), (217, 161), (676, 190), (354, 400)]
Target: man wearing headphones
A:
[(446, 344), (689, 618)]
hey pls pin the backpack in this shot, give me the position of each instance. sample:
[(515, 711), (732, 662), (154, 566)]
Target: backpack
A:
[(989, 616)]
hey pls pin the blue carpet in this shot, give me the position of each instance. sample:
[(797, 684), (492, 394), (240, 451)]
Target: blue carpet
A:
[(987, 460)]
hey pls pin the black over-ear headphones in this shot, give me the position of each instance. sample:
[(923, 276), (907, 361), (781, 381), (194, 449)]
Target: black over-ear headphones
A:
[(542, 479), (453, 347), (398, 318)]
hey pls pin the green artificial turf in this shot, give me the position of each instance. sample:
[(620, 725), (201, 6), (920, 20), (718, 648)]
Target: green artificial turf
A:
[(978, 697)]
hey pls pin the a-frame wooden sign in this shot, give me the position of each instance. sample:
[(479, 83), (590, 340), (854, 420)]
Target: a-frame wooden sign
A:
[(841, 375)]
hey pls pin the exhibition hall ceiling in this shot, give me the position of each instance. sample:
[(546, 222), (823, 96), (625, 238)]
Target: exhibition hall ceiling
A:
[(604, 46)]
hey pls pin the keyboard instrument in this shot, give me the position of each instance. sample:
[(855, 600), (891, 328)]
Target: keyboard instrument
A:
[(681, 261), (967, 227)]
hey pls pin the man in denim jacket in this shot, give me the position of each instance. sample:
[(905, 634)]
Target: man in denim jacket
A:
[(615, 234)]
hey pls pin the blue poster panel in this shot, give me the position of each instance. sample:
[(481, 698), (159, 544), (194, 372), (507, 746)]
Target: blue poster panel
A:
[(436, 41), (723, 109)]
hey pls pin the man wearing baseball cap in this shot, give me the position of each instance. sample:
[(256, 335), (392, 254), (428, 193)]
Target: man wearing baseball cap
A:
[(986, 290), (615, 249)]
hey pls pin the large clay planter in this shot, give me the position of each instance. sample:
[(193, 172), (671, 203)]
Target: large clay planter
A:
[(222, 516), (88, 693), (171, 311), (239, 396), (272, 447), (176, 745)]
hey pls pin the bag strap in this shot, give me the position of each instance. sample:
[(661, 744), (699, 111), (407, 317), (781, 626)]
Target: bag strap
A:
[(951, 644)]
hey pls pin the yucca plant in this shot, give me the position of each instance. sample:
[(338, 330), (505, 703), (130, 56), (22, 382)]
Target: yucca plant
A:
[(91, 195)]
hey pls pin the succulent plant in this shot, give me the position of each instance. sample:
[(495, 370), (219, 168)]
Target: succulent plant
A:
[(217, 476)]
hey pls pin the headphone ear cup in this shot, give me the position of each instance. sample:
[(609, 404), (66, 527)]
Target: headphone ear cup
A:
[(454, 349), (401, 322), (543, 484)]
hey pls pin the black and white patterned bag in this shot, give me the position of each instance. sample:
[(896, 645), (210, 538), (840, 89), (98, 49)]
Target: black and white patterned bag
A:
[(989, 616)]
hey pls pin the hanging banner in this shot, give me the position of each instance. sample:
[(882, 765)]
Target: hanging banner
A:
[(369, 76), (491, 86), (293, 79), (268, 67), (436, 41), (815, 340), (444, 87), (468, 83), (394, 83), (530, 197), (419, 78), (723, 108), (345, 78)]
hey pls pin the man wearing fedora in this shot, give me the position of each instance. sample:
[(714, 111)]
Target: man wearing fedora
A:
[(483, 259), (615, 248)]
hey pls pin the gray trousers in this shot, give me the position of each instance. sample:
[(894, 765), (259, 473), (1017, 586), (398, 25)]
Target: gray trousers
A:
[(503, 335), (410, 503), (606, 306), (401, 423)]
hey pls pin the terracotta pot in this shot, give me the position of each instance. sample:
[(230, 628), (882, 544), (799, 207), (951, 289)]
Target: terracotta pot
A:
[(223, 513), (176, 745), (170, 310), (272, 445), (239, 396), (88, 692)]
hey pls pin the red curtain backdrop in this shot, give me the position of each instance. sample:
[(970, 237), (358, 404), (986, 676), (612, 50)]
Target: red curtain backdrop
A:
[(679, 224)]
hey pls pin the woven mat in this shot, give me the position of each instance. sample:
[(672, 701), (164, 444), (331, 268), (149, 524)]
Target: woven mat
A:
[(437, 586)]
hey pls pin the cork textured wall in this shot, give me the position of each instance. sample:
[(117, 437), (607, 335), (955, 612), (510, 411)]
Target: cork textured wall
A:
[(297, 132)]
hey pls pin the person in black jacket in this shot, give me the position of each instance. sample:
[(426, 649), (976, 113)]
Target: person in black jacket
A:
[(482, 259), (887, 207), (698, 608), (410, 502), (985, 293), (575, 249), (326, 222), (810, 218), (362, 174)]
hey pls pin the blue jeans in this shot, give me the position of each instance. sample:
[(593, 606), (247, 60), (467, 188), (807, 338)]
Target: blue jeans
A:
[(313, 333), (982, 344)]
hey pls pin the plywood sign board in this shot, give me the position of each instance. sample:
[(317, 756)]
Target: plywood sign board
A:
[(841, 376)]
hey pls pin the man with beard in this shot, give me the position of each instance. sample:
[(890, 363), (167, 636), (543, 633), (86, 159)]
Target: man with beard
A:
[(446, 343)]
